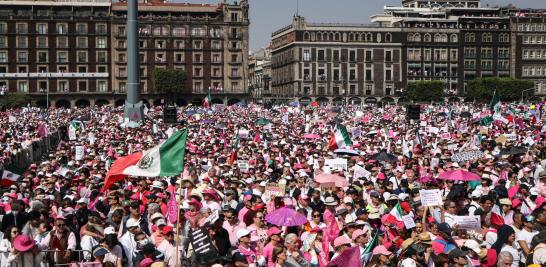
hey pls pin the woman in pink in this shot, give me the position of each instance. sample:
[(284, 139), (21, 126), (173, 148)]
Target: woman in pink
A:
[(274, 241), (258, 232)]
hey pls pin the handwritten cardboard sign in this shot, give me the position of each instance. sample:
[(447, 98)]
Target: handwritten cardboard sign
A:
[(408, 221), (430, 197), (468, 222)]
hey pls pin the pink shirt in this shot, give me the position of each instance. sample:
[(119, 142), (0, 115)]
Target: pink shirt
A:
[(242, 213), (232, 231), (268, 254)]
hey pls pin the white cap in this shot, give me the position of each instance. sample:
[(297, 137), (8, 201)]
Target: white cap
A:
[(132, 223), (109, 230), (157, 184), (476, 194), (156, 215), (82, 200), (263, 183), (161, 222), (242, 232)]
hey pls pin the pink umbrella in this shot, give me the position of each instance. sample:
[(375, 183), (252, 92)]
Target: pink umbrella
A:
[(326, 178), (286, 216), (311, 136), (459, 175)]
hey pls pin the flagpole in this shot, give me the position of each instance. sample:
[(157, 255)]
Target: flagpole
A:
[(177, 236)]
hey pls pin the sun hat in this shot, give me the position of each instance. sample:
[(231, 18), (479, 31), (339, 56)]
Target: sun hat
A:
[(424, 238), (330, 201), (23, 243), (109, 230), (381, 250), (197, 204), (473, 245), (132, 223)]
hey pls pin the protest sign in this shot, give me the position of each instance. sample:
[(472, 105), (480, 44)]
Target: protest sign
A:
[(430, 197), (244, 134), (360, 172), (408, 221), (356, 132), (213, 217), (202, 246), (243, 165), (338, 163), (326, 187), (79, 152), (273, 190), (468, 222)]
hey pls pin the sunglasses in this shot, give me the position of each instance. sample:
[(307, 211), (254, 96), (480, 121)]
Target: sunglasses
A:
[(61, 225), (316, 216)]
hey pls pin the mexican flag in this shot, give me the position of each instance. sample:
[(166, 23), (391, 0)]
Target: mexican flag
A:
[(75, 128), (9, 175), (207, 100), (396, 212), (233, 156), (166, 159), (495, 104), (340, 138)]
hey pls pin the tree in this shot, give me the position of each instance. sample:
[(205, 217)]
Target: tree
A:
[(509, 89), (425, 90), (169, 81), (14, 100)]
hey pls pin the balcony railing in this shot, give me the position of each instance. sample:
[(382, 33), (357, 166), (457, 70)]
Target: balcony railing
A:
[(55, 75)]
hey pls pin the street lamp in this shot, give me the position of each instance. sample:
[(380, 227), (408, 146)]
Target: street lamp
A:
[(523, 91)]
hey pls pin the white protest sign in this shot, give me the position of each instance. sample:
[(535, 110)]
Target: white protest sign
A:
[(243, 165), (356, 132), (12, 118), (468, 222), (285, 118), (433, 130), (408, 221), (430, 197), (360, 172), (79, 152), (213, 217), (338, 163), (423, 124), (243, 133)]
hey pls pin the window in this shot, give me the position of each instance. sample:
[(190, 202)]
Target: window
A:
[(82, 85), (3, 57), (487, 64), (234, 72), (3, 28), (504, 53), (101, 56), (22, 86), (453, 55), (320, 55), (179, 31), (454, 38), (197, 86), (101, 86), (82, 57), (368, 56), (504, 65), (22, 42), (62, 42), (42, 42), (62, 56), (352, 55), (487, 37), (160, 44), (369, 89), (100, 29), (22, 56), (22, 69), (63, 86), (306, 55), (179, 44), (234, 58), (197, 44), (82, 69), (42, 86), (62, 28), (197, 72), (197, 31), (469, 64), (487, 52), (122, 31), (368, 74), (427, 38), (81, 28), (41, 28), (216, 58), (234, 17), (81, 42), (3, 42), (470, 37), (22, 28), (101, 42), (197, 58), (101, 69), (388, 56), (122, 87), (335, 55), (352, 75), (216, 45), (42, 69), (216, 72), (142, 44), (388, 75), (42, 56)]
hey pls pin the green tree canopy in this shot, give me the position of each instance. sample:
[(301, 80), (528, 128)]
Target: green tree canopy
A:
[(169, 81), (425, 90), (508, 89), (14, 100)]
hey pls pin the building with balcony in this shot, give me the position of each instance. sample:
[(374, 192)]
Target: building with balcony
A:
[(74, 51), (259, 74), (450, 41)]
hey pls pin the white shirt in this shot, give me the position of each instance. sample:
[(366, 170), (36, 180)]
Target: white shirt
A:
[(87, 243), (514, 253), (526, 236)]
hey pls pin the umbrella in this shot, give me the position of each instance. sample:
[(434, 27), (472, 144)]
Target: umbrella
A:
[(459, 175), (190, 112), (311, 136), (465, 114), (384, 156), (467, 156), (294, 104), (286, 216), (515, 150), (326, 178), (262, 121), (343, 151)]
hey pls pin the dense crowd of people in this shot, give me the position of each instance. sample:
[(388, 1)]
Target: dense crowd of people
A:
[(253, 190)]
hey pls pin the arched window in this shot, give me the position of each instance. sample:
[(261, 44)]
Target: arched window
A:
[(417, 37), (454, 38), (411, 37), (388, 37), (369, 37), (437, 38), (336, 36), (306, 36), (319, 36), (487, 37), (331, 37), (428, 38), (469, 37)]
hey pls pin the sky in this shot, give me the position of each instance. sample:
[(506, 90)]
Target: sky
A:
[(267, 16)]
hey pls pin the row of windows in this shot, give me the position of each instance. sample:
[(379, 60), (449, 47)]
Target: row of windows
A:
[(534, 71), (534, 39), (438, 38), (439, 54), (344, 36), (337, 75), (532, 27), (63, 86), (486, 52), (165, 30), (367, 89), (59, 69), (534, 54), (486, 64), (487, 37), (61, 57), (177, 44), (61, 42), (60, 28), (320, 55)]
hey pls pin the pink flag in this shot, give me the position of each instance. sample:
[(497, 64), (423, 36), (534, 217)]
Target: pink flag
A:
[(257, 138), (172, 208), (348, 258)]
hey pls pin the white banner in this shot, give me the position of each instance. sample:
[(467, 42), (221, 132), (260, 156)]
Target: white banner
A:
[(338, 163), (431, 197), (80, 151), (468, 222)]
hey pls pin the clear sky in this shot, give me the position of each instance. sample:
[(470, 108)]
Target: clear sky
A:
[(266, 16)]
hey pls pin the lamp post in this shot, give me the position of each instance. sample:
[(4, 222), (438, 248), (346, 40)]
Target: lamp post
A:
[(523, 91), (133, 104)]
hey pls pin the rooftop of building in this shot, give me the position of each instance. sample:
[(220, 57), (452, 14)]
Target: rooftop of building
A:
[(164, 6), (55, 2)]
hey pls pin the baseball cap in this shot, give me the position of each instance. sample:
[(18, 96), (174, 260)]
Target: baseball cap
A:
[(167, 229), (456, 253), (242, 233), (445, 228), (381, 250), (361, 211), (132, 223)]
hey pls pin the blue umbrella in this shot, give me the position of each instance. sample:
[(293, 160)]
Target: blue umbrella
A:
[(190, 112)]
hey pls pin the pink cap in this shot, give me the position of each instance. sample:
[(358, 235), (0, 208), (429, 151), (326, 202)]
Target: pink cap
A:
[(247, 197), (273, 231), (381, 250), (357, 233), (341, 240)]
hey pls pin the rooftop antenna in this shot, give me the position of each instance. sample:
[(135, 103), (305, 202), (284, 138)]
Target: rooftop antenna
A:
[(297, 7)]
